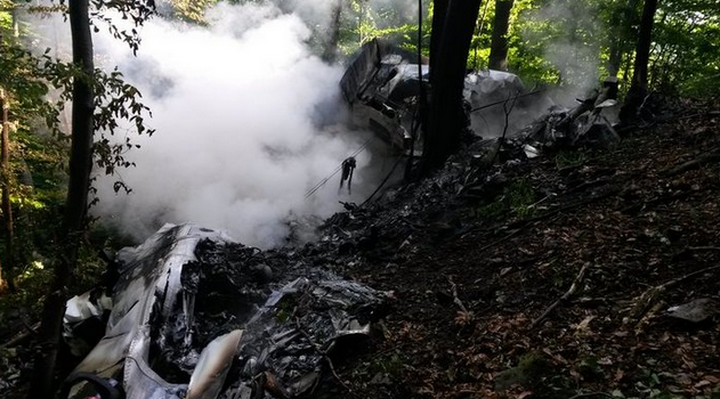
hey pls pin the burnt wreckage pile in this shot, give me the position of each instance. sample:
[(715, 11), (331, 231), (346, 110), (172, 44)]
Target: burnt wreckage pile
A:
[(382, 86), (196, 315)]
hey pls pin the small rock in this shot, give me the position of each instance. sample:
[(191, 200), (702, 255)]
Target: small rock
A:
[(696, 311), (263, 273), (380, 379)]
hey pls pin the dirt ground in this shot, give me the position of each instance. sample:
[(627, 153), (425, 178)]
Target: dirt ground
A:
[(541, 278), (465, 321)]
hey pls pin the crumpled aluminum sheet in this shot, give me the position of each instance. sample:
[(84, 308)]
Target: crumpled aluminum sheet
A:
[(287, 339), (149, 279), (298, 329)]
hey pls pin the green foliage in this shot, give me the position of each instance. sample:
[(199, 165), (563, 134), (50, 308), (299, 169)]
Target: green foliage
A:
[(686, 54), (361, 23), (39, 86), (530, 371), (390, 364), (517, 198), (25, 79), (192, 11), (565, 42), (569, 42), (565, 159), (34, 278)]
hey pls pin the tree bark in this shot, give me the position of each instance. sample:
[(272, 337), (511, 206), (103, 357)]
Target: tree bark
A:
[(438, 25), (8, 261), (623, 19), (436, 32), (638, 88), (73, 224), (447, 118), (499, 44), (330, 52)]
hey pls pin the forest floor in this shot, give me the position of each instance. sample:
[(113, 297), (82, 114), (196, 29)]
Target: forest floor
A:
[(627, 231), (538, 278)]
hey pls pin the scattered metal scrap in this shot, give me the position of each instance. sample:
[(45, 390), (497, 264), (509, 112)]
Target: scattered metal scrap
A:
[(584, 125), (195, 315), (382, 86), (695, 311)]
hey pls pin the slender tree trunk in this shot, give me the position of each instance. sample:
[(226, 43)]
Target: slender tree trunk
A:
[(422, 119), (15, 22), (73, 223), (330, 52), (623, 20), (478, 33), (447, 118), (615, 59), (638, 88), (9, 263), (499, 44), (615, 50)]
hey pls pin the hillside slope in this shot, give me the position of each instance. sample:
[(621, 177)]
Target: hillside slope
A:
[(476, 257)]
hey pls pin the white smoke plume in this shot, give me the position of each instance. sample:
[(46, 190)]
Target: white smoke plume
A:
[(571, 45), (241, 110)]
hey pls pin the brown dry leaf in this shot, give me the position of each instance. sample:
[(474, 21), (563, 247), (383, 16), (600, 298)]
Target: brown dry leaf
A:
[(619, 375), (605, 361), (684, 379), (526, 251), (702, 383), (494, 328), (584, 326), (712, 379), (555, 357), (464, 318), (665, 337), (524, 395), (426, 389), (688, 363)]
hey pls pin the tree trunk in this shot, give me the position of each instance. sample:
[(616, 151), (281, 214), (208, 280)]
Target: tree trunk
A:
[(447, 118), (438, 24), (499, 44), (638, 88), (73, 224), (436, 32), (330, 52), (623, 19), (478, 34), (8, 261)]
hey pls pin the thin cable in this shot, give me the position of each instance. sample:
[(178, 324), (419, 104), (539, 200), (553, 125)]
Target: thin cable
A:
[(383, 182), (324, 181), (505, 101)]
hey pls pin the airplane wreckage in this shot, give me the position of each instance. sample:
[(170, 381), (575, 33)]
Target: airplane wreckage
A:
[(382, 87), (192, 314)]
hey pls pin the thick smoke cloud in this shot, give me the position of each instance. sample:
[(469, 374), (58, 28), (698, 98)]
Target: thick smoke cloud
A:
[(570, 47), (241, 112)]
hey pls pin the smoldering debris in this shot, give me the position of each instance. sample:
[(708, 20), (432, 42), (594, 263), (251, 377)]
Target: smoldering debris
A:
[(196, 315), (191, 303)]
